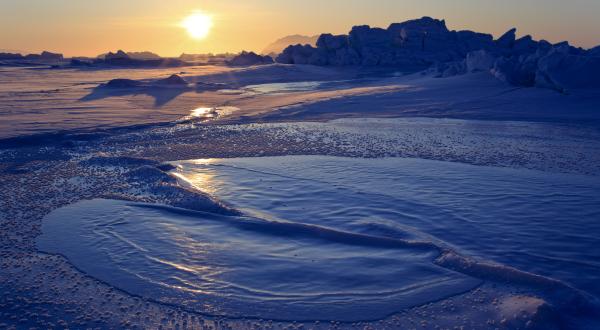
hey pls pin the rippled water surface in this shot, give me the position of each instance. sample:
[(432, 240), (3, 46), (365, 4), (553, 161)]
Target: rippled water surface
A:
[(243, 266), (546, 223)]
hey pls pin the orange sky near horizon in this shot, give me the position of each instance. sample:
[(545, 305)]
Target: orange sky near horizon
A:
[(86, 28)]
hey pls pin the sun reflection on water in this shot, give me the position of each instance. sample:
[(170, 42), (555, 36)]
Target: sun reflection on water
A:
[(204, 113), (208, 113), (199, 180)]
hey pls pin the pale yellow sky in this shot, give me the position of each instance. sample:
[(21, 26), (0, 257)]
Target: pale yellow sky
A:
[(78, 27)]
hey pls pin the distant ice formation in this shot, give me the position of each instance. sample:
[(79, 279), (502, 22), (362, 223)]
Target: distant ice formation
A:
[(144, 55), (121, 83), (249, 58), (427, 42), (144, 59), (43, 56), (10, 56), (173, 80)]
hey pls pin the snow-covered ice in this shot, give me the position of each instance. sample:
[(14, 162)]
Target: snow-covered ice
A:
[(46, 101), (404, 198)]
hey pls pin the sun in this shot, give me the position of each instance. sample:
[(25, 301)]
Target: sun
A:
[(198, 25)]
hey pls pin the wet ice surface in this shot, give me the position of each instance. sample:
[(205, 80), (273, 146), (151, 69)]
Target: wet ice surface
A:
[(121, 170), (327, 236), (247, 267), (545, 223), (209, 113), (303, 86), (285, 87)]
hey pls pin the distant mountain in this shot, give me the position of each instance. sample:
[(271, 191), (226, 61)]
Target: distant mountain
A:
[(281, 44)]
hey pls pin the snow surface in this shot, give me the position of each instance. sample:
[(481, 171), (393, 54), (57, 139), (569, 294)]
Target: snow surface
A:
[(37, 101), (125, 165), (106, 145), (40, 100)]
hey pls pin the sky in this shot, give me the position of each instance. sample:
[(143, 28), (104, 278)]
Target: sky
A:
[(89, 28)]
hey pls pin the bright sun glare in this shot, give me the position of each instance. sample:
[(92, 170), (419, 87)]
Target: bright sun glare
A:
[(198, 25)]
